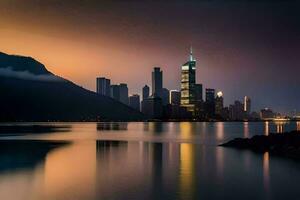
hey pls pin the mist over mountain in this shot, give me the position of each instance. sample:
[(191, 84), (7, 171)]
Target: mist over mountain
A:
[(29, 92)]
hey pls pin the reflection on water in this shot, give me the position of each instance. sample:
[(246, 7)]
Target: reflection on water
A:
[(187, 171), (280, 127), (93, 167), (266, 172), (298, 126), (112, 126), (267, 131), (246, 130), (220, 130)]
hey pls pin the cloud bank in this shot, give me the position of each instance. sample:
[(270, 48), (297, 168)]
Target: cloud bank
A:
[(26, 75)]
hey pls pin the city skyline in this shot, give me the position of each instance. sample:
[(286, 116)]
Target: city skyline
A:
[(242, 48)]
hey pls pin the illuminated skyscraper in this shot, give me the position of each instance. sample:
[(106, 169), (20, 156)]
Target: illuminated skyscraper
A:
[(247, 105), (219, 104), (188, 80)]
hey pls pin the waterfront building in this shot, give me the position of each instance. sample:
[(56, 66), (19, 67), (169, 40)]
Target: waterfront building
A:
[(247, 105), (157, 82), (198, 92), (165, 96), (188, 81), (123, 93), (266, 113), (210, 102), (134, 101), (103, 86), (219, 104), (152, 107), (174, 97), (146, 92), (236, 111), (115, 92)]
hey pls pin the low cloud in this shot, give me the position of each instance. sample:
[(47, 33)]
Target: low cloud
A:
[(26, 75)]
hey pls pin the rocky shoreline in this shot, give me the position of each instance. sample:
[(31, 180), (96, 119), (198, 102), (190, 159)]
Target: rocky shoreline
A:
[(284, 144)]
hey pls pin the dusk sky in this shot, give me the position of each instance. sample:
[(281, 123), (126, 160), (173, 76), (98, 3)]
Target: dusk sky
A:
[(242, 47)]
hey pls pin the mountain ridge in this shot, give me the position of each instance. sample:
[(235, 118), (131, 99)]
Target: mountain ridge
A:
[(32, 96)]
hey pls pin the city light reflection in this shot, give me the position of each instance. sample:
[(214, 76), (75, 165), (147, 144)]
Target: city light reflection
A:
[(279, 127), (267, 128), (266, 172), (187, 164), (246, 130), (220, 130)]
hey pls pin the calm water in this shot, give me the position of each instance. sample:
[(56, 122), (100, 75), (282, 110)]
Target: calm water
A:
[(150, 161)]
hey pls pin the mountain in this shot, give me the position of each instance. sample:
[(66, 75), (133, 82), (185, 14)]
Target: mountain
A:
[(29, 92)]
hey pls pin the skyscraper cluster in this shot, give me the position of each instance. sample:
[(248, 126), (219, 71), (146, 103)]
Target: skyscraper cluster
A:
[(186, 103), (119, 92)]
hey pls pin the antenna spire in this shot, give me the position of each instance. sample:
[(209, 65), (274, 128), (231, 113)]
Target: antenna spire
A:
[(191, 54)]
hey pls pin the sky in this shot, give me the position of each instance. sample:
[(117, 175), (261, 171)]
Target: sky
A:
[(242, 47)]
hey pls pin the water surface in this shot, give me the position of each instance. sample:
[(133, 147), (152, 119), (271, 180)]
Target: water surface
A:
[(149, 161)]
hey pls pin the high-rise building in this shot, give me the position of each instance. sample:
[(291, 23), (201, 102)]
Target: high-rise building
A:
[(134, 102), (247, 105), (115, 92), (210, 102), (103, 86), (174, 97), (123, 93), (209, 95), (236, 111), (188, 81), (152, 107), (157, 82), (219, 104), (165, 96), (198, 92), (146, 92)]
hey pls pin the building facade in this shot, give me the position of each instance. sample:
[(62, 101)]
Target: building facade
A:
[(247, 105), (188, 81), (219, 104), (146, 92), (210, 102), (152, 107), (103, 86), (175, 97), (165, 96), (115, 92), (134, 102), (123, 93), (157, 82)]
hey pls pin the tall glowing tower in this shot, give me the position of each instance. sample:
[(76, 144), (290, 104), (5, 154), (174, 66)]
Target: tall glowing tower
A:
[(188, 81)]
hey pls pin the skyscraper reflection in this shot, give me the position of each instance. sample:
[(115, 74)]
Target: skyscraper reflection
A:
[(246, 130), (279, 127), (156, 127), (187, 171), (115, 126), (298, 126), (267, 128), (266, 173), (186, 130), (220, 130)]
